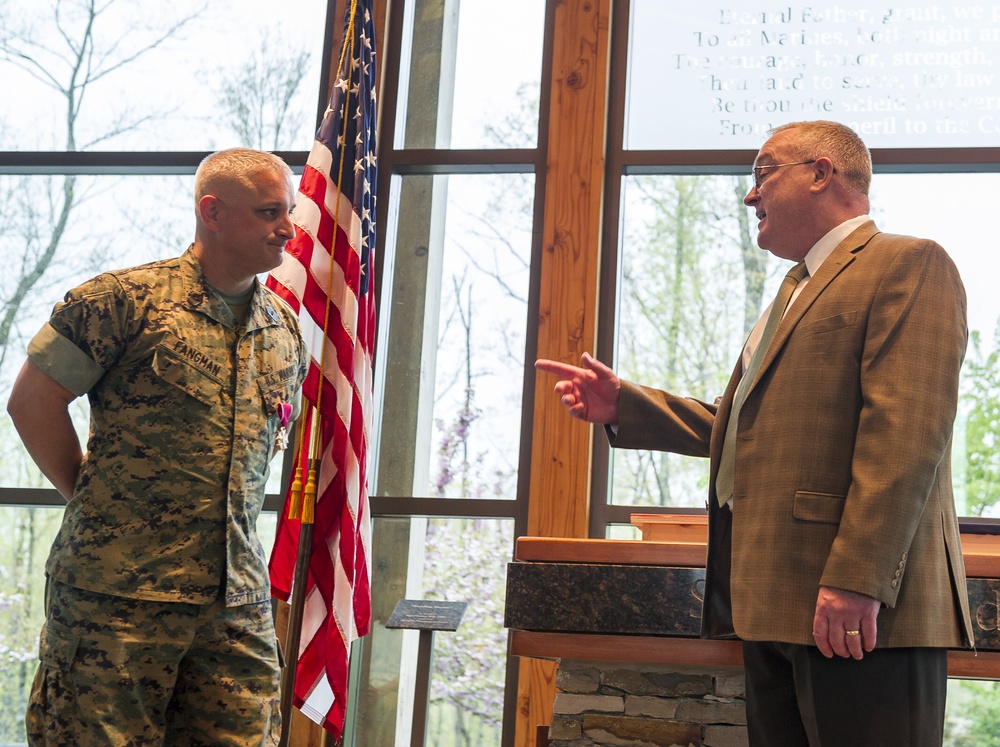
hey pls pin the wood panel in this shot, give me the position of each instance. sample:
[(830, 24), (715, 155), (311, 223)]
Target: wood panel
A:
[(694, 652), (981, 552), (570, 261), (536, 694), (621, 552), (982, 555), (682, 652), (561, 448)]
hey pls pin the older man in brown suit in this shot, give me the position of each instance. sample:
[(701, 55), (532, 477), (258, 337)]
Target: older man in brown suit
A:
[(834, 548)]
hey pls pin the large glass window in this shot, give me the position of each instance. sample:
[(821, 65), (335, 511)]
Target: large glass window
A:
[(62, 230), (693, 282), (454, 560), (184, 75), (453, 345), (25, 537), (470, 69), (454, 356), (919, 75), (960, 221)]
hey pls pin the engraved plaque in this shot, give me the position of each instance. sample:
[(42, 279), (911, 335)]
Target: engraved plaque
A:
[(425, 614)]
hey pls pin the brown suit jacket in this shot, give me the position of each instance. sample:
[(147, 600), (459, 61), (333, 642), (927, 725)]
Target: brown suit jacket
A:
[(842, 455)]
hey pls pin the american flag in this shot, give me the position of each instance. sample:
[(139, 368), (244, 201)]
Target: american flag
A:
[(335, 210)]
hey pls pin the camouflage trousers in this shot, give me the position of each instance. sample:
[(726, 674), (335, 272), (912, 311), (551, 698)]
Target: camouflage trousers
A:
[(122, 672)]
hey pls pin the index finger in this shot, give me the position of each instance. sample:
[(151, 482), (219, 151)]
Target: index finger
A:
[(558, 368)]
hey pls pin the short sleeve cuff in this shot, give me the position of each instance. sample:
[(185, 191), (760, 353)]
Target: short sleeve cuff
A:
[(63, 361)]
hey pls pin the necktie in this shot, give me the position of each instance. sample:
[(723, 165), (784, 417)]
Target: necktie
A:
[(724, 480)]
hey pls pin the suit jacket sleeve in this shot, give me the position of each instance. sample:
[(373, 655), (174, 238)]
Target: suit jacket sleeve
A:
[(653, 419)]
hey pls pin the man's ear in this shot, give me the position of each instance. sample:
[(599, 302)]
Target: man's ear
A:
[(823, 171), (210, 209)]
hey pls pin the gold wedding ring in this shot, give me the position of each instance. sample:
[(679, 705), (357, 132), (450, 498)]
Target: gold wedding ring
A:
[(852, 632)]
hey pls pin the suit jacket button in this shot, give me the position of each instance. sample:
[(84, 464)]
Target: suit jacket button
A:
[(895, 583)]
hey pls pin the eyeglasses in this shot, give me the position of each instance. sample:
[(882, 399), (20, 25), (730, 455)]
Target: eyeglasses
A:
[(755, 172)]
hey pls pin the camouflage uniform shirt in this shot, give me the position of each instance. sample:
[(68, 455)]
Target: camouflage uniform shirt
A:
[(185, 407)]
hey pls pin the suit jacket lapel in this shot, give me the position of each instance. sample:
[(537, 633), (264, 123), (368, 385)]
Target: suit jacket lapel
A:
[(839, 259)]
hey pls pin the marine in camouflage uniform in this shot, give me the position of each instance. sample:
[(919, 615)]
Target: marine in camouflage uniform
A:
[(158, 617)]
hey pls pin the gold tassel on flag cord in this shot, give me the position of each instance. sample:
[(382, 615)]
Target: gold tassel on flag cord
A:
[(295, 503)]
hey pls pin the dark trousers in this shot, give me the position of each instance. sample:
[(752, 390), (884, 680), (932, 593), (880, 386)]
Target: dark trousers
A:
[(892, 697)]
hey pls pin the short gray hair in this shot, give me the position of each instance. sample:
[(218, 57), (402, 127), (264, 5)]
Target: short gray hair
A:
[(235, 166), (839, 143)]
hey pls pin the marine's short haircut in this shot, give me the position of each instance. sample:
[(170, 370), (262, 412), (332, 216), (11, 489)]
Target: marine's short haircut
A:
[(235, 165)]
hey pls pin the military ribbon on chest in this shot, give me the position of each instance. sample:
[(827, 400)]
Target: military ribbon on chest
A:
[(285, 415)]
